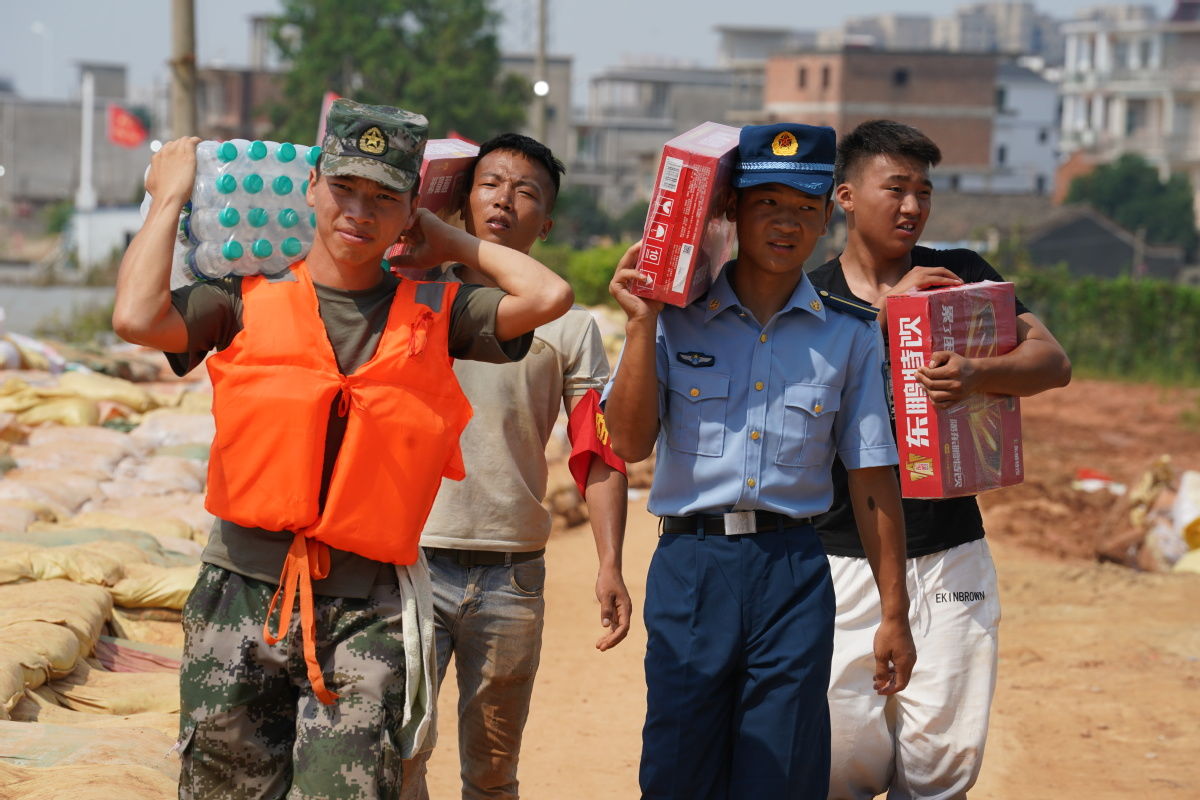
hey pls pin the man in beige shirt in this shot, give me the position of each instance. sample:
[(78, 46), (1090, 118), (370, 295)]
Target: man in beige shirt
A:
[(486, 535)]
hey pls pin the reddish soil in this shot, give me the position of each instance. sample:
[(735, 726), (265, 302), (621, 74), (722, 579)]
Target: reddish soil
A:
[(1099, 687)]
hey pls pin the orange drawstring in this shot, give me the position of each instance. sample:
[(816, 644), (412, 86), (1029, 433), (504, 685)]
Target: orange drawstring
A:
[(306, 559)]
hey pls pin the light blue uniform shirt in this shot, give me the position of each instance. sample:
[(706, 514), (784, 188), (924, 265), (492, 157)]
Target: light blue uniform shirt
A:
[(751, 416)]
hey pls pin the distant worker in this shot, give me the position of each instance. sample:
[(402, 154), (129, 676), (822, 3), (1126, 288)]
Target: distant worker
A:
[(486, 537), (749, 393), (337, 415), (927, 741)]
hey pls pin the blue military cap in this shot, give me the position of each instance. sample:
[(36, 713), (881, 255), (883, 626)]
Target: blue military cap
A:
[(800, 156)]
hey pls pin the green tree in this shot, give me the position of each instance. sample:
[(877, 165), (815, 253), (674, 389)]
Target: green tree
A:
[(439, 58), (578, 218), (1130, 192)]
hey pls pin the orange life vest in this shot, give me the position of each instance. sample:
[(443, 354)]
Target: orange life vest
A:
[(273, 388)]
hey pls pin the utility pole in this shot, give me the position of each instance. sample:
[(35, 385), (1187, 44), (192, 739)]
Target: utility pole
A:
[(541, 86), (183, 68), (85, 195)]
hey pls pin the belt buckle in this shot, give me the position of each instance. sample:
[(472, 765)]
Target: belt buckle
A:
[(739, 522)]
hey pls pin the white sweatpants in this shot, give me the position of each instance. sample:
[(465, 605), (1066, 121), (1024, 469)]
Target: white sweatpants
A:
[(927, 741)]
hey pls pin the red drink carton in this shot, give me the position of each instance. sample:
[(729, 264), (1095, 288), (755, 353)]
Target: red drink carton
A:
[(975, 445), (444, 173), (687, 237)]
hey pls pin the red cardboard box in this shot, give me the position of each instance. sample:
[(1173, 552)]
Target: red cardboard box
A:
[(687, 237), (444, 174), (975, 445)]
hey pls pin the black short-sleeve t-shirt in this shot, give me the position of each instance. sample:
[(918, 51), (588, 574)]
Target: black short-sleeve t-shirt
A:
[(930, 525), (354, 322)]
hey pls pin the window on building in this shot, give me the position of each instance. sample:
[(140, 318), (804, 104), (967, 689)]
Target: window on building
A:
[(900, 77), (1043, 135), (1001, 155), (1001, 97), (801, 77), (825, 74), (1041, 184), (954, 181)]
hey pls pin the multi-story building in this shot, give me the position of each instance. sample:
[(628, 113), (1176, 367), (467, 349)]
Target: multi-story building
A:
[(633, 110), (1131, 84), (1025, 135), (949, 96), (892, 31), (1016, 28)]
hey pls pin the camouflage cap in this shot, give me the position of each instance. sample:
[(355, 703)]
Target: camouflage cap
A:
[(382, 143)]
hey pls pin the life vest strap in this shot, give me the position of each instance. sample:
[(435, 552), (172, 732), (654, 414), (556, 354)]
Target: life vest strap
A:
[(306, 559)]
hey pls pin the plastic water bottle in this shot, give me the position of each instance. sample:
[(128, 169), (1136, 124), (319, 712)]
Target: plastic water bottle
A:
[(213, 224), (215, 259)]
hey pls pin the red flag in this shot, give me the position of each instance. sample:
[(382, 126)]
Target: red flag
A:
[(124, 128), (326, 102), (588, 434)]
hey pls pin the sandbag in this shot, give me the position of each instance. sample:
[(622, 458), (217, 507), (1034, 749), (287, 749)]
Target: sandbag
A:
[(80, 565), (148, 586), (45, 628), (39, 705), (168, 426), (39, 437), (96, 691), (15, 516), (158, 527), (50, 535), (130, 624), (81, 455), (88, 782), (162, 474), (96, 386), (67, 488), (183, 506), (61, 411)]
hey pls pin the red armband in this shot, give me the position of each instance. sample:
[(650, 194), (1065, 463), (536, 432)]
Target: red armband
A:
[(589, 440)]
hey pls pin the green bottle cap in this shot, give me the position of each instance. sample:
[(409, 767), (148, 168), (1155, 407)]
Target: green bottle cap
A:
[(290, 247), (312, 155), (227, 151), (286, 152), (257, 217), (231, 250), (257, 150), (252, 183), (281, 185), (228, 217), (288, 218), (226, 184), (261, 248)]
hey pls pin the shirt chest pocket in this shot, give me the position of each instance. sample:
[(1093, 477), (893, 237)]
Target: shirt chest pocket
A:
[(697, 403), (808, 413)]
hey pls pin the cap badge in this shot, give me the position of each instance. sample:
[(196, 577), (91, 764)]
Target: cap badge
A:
[(372, 142), (784, 144)]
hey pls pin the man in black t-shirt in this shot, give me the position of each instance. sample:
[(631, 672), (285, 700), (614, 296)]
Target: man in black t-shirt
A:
[(927, 741)]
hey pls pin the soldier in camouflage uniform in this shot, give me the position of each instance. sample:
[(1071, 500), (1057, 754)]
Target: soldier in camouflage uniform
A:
[(256, 721)]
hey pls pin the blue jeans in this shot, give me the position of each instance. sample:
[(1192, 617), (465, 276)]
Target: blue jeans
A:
[(490, 619), (740, 636)]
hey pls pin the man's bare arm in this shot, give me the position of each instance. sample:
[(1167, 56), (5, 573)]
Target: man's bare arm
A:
[(142, 310), (875, 495), (632, 406)]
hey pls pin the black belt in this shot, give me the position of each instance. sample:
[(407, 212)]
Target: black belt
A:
[(482, 558), (715, 523)]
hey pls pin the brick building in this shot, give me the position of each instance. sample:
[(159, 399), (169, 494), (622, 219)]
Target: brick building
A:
[(949, 96)]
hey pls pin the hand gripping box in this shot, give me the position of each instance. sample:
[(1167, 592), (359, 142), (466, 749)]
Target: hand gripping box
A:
[(445, 170), (972, 446), (687, 237)]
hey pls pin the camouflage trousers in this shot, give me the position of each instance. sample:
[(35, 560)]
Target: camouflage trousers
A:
[(250, 726)]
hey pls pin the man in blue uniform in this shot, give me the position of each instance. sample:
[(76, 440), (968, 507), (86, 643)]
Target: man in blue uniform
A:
[(749, 393)]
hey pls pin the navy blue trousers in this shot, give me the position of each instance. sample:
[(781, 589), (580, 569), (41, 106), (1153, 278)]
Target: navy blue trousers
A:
[(740, 637)]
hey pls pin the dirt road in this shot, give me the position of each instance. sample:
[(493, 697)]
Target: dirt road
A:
[(1099, 689)]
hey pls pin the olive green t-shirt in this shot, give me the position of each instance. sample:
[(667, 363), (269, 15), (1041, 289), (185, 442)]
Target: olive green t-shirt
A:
[(354, 322)]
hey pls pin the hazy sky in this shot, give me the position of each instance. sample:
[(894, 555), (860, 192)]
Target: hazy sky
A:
[(41, 43)]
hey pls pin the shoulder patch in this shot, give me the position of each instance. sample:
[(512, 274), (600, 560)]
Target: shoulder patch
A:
[(852, 307)]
